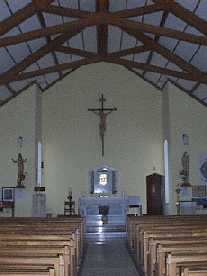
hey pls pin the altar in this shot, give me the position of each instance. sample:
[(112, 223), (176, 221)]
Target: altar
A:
[(117, 205), (104, 204)]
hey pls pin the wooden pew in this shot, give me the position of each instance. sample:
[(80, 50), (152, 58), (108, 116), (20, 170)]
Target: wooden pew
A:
[(62, 234), (177, 261), (25, 271), (148, 230)]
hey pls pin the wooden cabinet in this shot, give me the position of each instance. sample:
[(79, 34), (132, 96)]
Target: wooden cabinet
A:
[(155, 194)]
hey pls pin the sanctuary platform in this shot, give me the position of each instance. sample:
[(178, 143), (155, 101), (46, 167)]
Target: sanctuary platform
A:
[(116, 206)]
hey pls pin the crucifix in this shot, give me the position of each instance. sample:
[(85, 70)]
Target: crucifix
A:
[(102, 112)]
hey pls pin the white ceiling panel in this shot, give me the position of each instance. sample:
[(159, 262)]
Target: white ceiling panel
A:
[(186, 50), (153, 18), (30, 24), (6, 61), (174, 67), (4, 12), (158, 60), (16, 5), (114, 37), (62, 58), (52, 19), (131, 4), (73, 4), (188, 85), (117, 5), (12, 32), (192, 30), (162, 80), (75, 58), (154, 77), (4, 93), (168, 43), (88, 5), (190, 5), (128, 57), (90, 39), (52, 77), (175, 23), (137, 18), (201, 91), (141, 57), (32, 67), (202, 8), (18, 85), (19, 51), (138, 71), (67, 19), (46, 61), (199, 60), (150, 35), (128, 41), (36, 44), (76, 42)]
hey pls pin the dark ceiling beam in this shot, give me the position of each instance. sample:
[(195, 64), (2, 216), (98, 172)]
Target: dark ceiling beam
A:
[(157, 37), (55, 68), (75, 51), (14, 71), (48, 39), (162, 31), (124, 62), (102, 29), (17, 18), (96, 19), (186, 15), (166, 53), (130, 51), (67, 12), (147, 9), (157, 69), (54, 30)]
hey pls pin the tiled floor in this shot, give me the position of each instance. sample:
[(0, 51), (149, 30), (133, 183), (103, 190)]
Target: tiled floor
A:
[(107, 255)]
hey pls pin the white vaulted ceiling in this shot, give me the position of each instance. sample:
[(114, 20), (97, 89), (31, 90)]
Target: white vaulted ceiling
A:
[(160, 40)]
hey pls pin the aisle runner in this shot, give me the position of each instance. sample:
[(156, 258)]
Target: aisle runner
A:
[(108, 258)]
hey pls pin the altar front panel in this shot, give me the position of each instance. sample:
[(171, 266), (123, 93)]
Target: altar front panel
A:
[(90, 206)]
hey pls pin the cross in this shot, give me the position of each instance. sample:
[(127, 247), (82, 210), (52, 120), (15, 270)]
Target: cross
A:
[(102, 112)]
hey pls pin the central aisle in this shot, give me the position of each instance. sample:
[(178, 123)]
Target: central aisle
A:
[(107, 256)]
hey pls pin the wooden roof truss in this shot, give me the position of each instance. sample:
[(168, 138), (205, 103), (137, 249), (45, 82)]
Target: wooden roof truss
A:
[(85, 36)]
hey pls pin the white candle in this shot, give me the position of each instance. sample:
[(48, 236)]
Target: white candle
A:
[(70, 191)]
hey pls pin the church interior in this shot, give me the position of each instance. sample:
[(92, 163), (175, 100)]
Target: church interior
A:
[(103, 164)]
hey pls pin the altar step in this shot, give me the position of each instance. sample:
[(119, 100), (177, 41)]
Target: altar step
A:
[(106, 228)]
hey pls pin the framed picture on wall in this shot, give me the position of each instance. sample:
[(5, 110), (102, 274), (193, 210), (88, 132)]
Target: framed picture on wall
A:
[(8, 194)]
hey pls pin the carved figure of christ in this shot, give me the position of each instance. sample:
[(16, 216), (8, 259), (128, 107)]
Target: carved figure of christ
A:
[(102, 112)]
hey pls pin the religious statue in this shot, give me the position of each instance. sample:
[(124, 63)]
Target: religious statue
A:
[(184, 173), (21, 174), (102, 112)]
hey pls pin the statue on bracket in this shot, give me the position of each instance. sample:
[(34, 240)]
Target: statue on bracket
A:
[(20, 164)]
